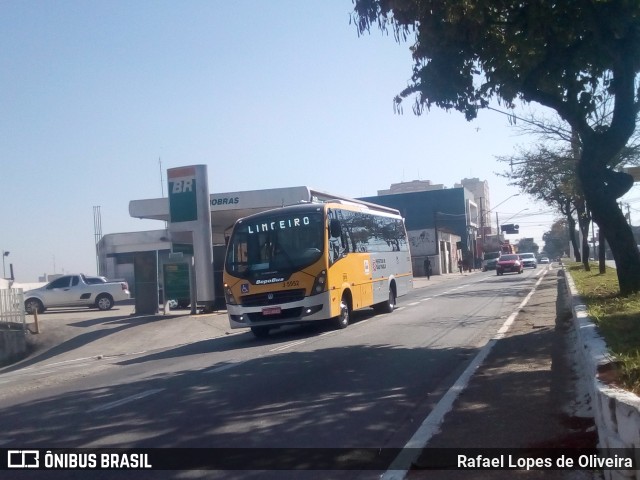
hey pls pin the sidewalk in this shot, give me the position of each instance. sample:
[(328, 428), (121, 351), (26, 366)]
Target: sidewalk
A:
[(526, 394), (420, 282)]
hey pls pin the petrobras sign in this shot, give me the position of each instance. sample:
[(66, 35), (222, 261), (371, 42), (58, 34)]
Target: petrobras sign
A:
[(183, 201), (228, 200), (259, 199)]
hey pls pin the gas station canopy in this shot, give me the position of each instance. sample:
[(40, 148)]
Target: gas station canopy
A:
[(226, 208)]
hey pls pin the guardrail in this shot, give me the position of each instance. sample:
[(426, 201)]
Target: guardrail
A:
[(12, 315)]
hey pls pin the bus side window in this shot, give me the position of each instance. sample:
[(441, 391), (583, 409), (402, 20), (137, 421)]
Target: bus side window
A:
[(345, 242), (336, 250), (335, 229)]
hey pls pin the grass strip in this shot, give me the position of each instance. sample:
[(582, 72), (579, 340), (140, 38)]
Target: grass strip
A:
[(617, 318)]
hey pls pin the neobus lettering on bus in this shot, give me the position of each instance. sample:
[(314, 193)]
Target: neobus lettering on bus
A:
[(279, 225)]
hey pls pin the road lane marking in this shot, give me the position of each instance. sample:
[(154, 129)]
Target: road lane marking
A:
[(226, 367), (123, 401), (333, 332), (55, 364), (288, 345), (431, 425)]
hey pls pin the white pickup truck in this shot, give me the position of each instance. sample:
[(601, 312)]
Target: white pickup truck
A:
[(75, 291)]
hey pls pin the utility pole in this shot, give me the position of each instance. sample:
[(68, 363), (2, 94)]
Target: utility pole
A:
[(629, 214), (484, 235), (435, 229), (97, 236), (4, 255)]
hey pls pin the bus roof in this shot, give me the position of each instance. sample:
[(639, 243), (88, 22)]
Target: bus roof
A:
[(367, 205), (317, 206)]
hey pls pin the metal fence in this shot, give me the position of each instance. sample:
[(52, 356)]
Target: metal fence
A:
[(12, 313)]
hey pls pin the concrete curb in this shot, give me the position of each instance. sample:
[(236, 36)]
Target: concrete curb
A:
[(616, 411)]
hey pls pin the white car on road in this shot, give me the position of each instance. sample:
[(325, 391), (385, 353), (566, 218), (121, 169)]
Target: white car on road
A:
[(528, 260)]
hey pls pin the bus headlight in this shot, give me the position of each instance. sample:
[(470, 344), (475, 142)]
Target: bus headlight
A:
[(320, 284), (228, 295)]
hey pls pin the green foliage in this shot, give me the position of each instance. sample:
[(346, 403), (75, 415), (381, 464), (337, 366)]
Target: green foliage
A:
[(557, 239), (617, 318), (527, 245), (469, 51)]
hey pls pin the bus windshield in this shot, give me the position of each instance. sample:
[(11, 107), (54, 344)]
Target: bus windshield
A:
[(275, 243)]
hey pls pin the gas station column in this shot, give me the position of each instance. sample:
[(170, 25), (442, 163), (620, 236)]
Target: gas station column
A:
[(189, 211)]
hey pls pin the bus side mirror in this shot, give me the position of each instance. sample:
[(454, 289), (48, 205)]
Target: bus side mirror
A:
[(335, 229)]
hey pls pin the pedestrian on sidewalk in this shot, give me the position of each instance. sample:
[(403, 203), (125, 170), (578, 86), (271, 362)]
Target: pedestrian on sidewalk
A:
[(460, 266), (427, 268)]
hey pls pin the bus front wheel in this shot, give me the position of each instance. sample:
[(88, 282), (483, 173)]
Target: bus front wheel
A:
[(342, 320)]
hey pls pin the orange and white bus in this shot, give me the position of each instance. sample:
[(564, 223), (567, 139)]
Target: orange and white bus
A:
[(315, 261)]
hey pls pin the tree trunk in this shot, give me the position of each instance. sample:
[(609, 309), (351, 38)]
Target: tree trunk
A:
[(572, 236), (586, 251), (602, 189), (601, 185), (583, 224), (623, 246), (601, 251)]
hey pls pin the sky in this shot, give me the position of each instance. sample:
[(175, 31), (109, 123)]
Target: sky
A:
[(99, 98)]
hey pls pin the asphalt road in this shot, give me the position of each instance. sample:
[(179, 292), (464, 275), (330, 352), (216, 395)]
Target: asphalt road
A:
[(99, 381)]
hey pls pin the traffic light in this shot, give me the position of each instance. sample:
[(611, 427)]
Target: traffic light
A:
[(510, 228)]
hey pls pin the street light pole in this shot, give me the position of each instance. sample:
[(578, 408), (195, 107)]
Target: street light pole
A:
[(516, 214), (482, 221), (4, 254), (512, 216), (508, 198), (487, 212)]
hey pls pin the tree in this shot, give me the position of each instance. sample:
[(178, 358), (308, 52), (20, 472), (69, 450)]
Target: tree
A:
[(548, 174), (563, 55), (547, 171), (527, 245), (557, 239)]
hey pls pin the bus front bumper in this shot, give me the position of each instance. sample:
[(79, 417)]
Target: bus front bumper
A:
[(309, 309)]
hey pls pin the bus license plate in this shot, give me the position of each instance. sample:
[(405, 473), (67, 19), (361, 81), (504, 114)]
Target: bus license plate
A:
[(271, 311)]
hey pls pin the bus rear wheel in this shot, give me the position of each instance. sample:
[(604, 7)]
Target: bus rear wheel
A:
[(342, 320), (389, 305)]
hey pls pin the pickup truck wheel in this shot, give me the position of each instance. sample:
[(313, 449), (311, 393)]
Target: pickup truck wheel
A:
[(104, 302), (33, 305)]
